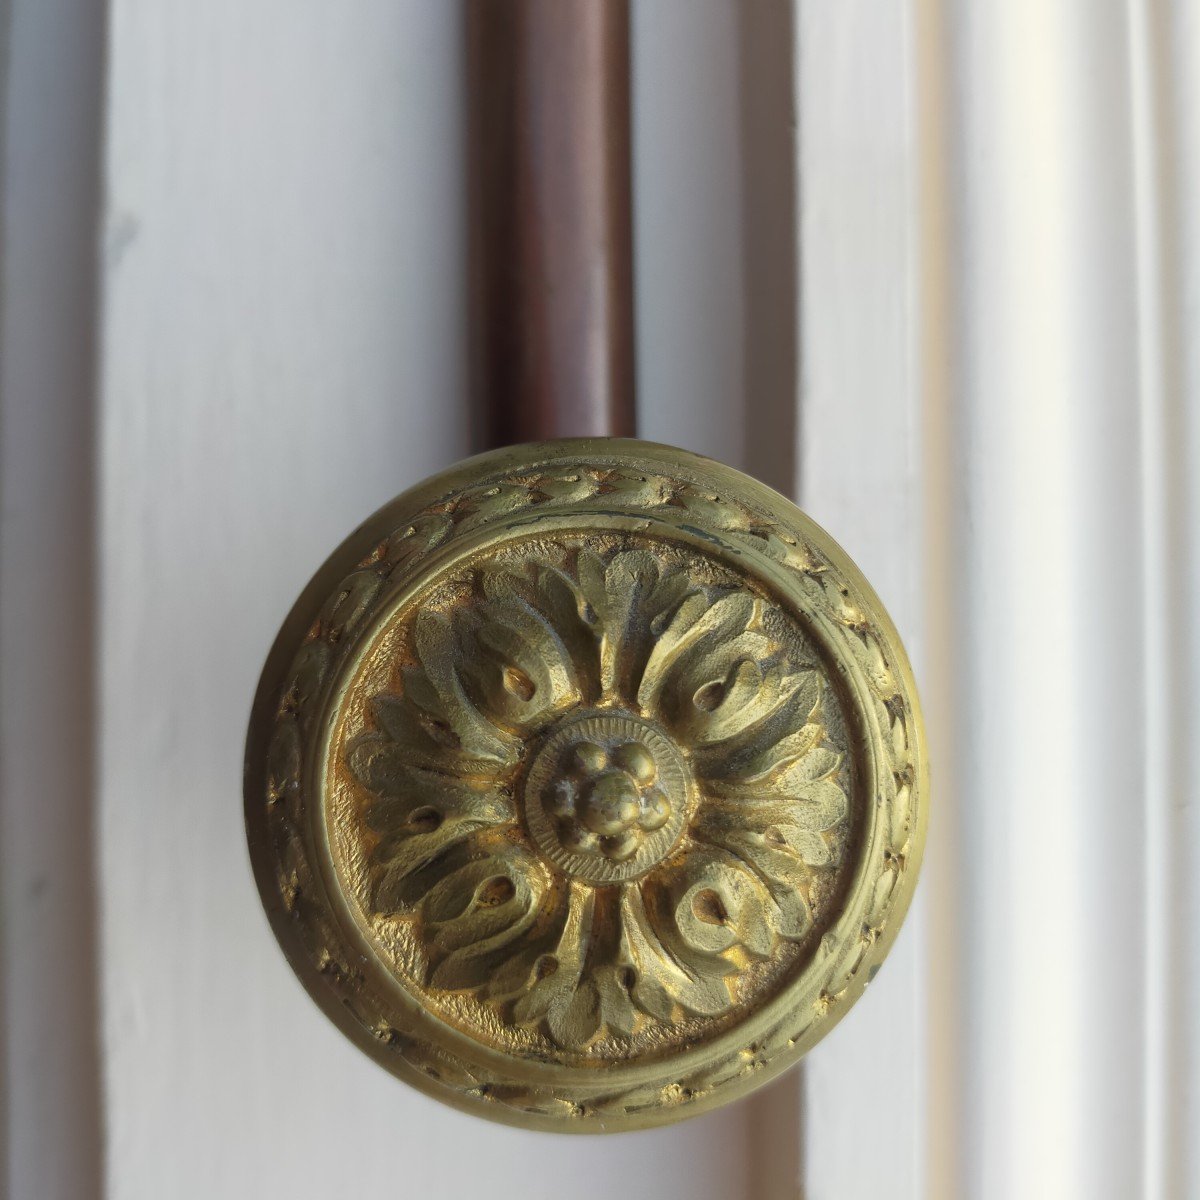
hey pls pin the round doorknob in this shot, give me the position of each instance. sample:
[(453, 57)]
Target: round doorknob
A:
[(586, 785)]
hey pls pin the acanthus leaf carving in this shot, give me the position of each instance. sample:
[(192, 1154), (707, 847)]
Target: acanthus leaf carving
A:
[(574, 604)]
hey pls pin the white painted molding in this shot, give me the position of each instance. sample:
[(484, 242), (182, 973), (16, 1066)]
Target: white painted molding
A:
[(860, 462), (1058, 269), (50, 1119), (1164, 41), (1051, 171)]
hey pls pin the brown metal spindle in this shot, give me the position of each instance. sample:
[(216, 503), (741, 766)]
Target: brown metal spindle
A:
[(551, 237)]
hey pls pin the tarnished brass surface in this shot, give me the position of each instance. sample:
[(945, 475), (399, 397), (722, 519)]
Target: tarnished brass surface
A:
[(586, 785)]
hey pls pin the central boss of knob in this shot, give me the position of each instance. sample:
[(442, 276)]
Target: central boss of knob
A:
[(608, 802), (606, 797)]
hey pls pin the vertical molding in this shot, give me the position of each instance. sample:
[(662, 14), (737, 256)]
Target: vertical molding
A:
[(770, 408), (1164, 41), (1039, 500), (944, 496), (860, 472), (50, 1143)]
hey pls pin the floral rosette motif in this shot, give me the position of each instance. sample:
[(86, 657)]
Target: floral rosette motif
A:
[(602, 791), (586, 786)]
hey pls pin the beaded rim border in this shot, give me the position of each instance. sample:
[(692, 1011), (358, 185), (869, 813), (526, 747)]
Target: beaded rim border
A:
[(621, 479)]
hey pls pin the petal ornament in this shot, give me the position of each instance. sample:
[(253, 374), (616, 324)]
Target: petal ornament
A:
[(586, 786)]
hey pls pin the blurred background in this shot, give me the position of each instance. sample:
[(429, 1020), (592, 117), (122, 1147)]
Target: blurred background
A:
[(931, 268)]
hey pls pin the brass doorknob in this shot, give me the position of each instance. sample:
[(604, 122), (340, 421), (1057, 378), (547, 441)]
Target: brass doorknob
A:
[(586, 785)]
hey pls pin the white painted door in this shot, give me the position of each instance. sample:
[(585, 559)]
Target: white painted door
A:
[(934, 269)]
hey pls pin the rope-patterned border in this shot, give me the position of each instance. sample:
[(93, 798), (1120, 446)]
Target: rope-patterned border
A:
[(618, 490)]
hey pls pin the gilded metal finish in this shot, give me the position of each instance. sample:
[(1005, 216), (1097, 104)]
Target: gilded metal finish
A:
[(586, 785)]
